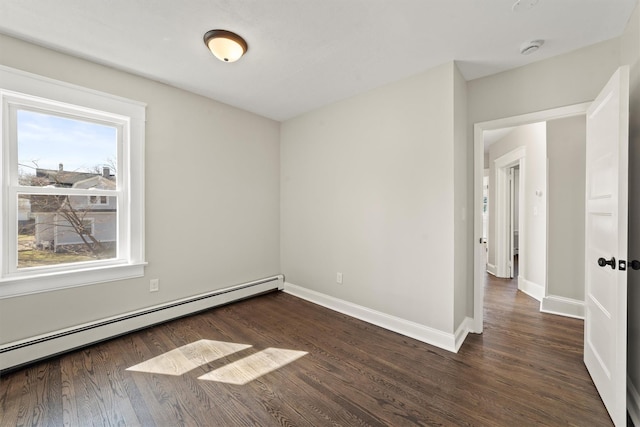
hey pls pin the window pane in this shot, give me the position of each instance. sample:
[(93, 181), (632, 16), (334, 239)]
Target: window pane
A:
[(63, 152), (59, 229)]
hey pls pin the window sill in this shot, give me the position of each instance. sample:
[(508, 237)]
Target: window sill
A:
[(32, 284)]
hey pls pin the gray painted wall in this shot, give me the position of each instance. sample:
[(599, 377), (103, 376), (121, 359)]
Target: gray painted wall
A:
[(532, 253), (368, 189), (566, 139), (212, 191), (463, 223)]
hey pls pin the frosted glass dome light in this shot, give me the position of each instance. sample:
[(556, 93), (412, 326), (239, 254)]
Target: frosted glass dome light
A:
[(225, 45)]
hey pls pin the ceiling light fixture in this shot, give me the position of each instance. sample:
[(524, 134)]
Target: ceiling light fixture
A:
[(225, 45), (530, 47)]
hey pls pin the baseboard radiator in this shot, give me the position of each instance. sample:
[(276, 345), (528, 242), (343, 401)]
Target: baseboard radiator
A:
[(19, 353)]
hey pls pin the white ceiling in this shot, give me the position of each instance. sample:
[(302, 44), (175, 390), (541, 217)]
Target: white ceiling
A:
[(490, 137), (304, 54)]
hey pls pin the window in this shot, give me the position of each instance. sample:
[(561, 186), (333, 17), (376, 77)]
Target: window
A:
[(98, 200), (72, 185)]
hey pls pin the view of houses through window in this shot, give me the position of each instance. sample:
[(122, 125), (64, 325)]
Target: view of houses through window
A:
[(67, 210)]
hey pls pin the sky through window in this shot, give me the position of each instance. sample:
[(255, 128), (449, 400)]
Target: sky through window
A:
[(46, 140)]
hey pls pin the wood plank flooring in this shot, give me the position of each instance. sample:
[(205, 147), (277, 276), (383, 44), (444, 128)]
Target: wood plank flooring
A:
[(526, 369)]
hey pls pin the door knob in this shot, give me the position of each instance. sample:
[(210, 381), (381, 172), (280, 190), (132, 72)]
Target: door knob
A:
[(635, 264), (603, 262)]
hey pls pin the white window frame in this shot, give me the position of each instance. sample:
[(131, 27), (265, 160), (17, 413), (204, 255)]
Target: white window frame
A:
[(98, 200), (19, 89)]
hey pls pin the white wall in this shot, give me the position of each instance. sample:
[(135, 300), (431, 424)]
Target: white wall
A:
[(368, 189), (532, 254), (566, 139), (212, 191)]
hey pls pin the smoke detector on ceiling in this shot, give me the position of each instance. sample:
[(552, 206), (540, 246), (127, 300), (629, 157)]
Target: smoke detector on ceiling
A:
[(523, 5), (528, 48)]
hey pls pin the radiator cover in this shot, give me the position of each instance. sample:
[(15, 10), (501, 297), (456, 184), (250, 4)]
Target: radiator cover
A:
[(16, 354)]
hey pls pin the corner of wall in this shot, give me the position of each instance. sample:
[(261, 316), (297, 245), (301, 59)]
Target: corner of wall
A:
[(428, 335), (463, 203)]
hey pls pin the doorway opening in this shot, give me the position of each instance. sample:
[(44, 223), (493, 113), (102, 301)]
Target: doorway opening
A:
[(509, 183), (514, 219), (481, 252)]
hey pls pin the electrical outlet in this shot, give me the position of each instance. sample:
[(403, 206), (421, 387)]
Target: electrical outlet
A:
[(154, 285), (339, 278)]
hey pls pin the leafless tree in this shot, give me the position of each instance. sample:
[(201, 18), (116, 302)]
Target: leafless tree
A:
[(64, 211), (109, 163), (71, 218)]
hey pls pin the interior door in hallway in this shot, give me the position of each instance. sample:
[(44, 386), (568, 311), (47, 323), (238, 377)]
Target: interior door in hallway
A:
[(605, 335)]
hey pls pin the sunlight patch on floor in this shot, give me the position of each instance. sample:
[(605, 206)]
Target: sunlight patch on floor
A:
[(183, 359), (251, 367)]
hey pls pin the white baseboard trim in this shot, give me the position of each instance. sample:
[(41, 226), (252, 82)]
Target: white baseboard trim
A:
[(530, 288), (18, 353), (492, 269), (633, 402), (562, 306), (446, 341), (463, 330)]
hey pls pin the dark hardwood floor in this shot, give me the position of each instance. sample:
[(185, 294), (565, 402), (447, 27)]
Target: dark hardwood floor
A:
[(525, 369)]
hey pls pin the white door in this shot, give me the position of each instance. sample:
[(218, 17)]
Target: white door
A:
[(605, 326), (512, 220)]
